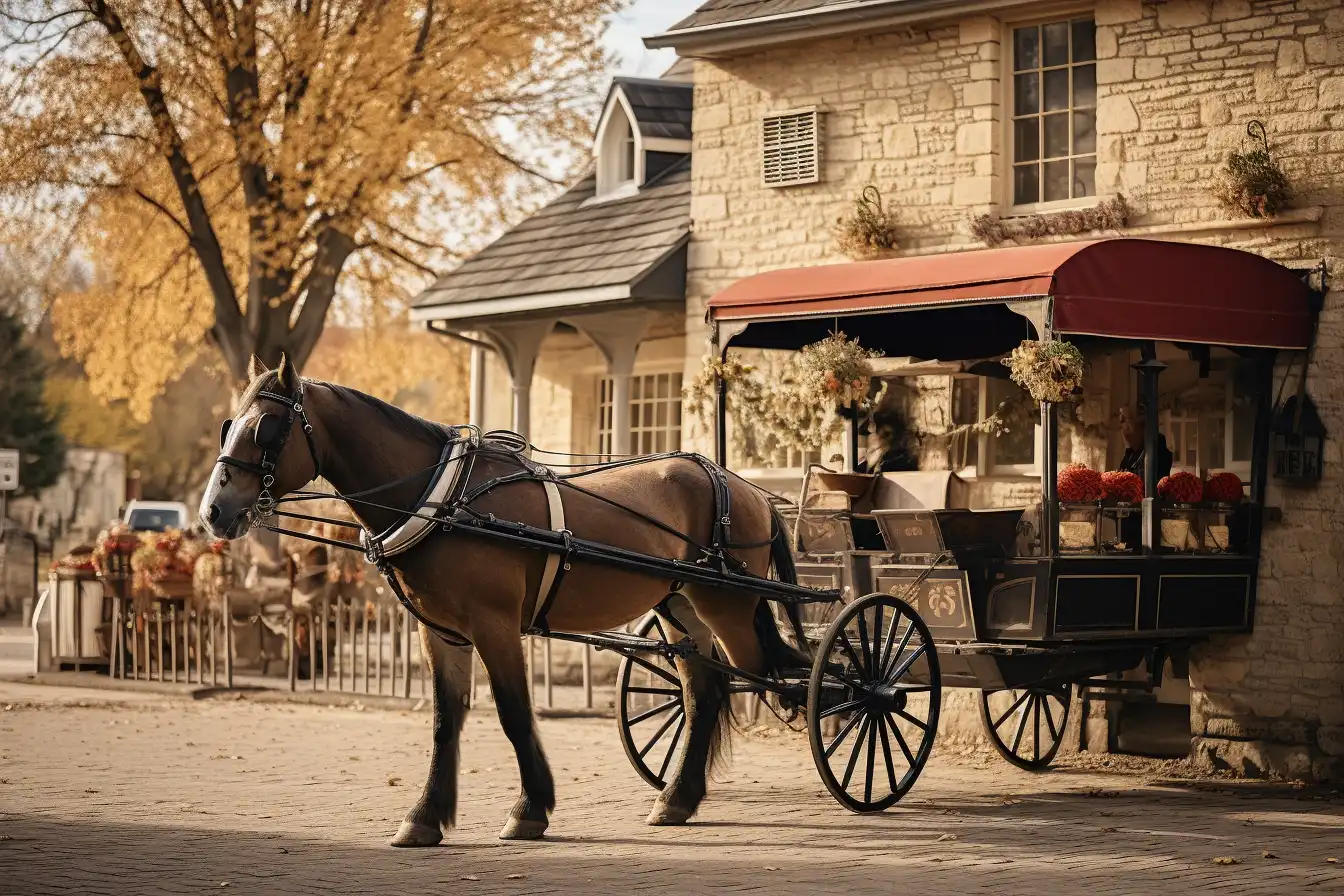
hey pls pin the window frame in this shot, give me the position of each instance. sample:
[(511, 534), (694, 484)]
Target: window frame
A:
[(985, 466), (602, 417), (1067, 13)]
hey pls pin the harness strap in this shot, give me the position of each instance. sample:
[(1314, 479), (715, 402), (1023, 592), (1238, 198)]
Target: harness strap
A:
[(557, 564)]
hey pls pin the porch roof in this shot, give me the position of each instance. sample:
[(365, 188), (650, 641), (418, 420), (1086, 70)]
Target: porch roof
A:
[(574, 254), (1120, 288)]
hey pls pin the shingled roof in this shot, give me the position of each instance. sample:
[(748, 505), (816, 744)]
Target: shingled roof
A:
[(661, 108), (567, 246), (720, 12)]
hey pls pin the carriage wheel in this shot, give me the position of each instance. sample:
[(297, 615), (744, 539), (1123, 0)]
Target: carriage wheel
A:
[(1026, 725), (650, 710), (875, 674)]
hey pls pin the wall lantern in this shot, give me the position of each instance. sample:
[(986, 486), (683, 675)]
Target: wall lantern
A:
[(1297, 438)]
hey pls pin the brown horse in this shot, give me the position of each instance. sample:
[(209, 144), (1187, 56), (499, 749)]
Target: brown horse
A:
[(488, 591)]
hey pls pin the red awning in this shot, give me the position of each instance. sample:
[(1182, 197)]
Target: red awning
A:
[(1124, 288)]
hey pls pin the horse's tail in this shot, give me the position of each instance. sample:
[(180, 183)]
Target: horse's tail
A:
[(778, 652)]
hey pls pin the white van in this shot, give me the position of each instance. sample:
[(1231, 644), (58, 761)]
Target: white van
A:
[(156, 516)]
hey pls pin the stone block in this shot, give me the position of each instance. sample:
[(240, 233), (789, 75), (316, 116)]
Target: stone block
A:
[(984, 71), (978, 30), (1107, 45), (888, 77), (979, 93), (1227, 10), (1332, 93), (877, 113), (975, 139), (844, 149), (709, 208), (1118, 12), (900, 141), (1150, 68), (1116, 115), (1268, 85), (940, 97), (1325, 49), (1213, 110), (968, 191), (1115, 71), (1292, 58), (1178, 14), (711, 118)]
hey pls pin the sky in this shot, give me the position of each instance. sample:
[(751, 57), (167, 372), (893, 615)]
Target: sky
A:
[(642, 19)]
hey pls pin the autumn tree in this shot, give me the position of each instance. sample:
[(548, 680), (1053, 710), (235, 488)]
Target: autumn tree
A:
[(233, 169), (27, 424)]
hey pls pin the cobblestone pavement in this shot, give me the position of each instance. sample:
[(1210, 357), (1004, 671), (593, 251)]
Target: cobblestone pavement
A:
[(101, 793)]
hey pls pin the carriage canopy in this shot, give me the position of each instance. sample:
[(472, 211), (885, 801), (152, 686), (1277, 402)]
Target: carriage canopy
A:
[(1120, 288)]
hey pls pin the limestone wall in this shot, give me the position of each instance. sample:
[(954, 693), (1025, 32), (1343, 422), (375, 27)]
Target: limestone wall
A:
[(919, 113)]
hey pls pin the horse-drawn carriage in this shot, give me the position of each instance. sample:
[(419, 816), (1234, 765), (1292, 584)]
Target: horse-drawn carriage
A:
[(924, 594)]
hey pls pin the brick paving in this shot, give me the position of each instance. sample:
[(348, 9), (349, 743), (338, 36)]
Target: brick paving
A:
[(145, 794)]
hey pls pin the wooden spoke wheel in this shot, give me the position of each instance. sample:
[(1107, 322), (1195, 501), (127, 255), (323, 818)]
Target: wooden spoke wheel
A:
[(872, 704), (1026, 725), (650, 710)]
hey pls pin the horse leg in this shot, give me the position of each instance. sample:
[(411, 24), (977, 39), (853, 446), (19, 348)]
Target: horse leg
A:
[(502, 654), (437, 807), (707, 706)]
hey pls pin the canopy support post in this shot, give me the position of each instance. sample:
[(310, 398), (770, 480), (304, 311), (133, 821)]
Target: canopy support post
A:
[(720, 400), (1149, 370), (1264, 415), (1049, 474)]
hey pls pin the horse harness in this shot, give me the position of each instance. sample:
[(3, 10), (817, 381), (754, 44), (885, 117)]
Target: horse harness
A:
[(446, 502)]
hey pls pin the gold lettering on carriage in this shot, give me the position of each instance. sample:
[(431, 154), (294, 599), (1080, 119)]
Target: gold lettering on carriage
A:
[(943, 599)]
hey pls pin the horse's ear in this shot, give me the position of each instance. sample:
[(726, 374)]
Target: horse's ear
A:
[(285, 375), (255, 368)]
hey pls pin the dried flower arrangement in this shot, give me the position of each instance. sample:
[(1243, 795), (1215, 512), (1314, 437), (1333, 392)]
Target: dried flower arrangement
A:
[(869, 230), (796, 405), (1252, 183), (1113, 214), (1049, 370)]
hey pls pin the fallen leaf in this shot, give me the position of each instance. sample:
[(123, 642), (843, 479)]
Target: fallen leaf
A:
[(1009, 801), (469, 877), (393, 782), (943, 838), (225, 883), (771, 868), (514, 876), (90, 790), (1226, 860), (1108, 830), (1269, 855), (419, 705), (1333, 861)]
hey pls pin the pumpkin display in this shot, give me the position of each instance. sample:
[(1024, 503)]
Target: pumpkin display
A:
[(1225, 488), (1181, 488), (1076, 484), (1121, 485)]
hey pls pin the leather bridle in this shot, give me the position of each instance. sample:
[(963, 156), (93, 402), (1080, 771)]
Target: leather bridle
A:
[(270, 436)]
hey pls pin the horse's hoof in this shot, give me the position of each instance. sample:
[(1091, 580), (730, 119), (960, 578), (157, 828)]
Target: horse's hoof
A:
[(413, 833), (523, 829), (667, 815)]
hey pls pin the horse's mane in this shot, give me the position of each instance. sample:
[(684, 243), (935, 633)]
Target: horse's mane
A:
[(437, 432)]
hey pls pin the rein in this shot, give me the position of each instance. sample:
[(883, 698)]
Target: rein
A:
[(273, 432)]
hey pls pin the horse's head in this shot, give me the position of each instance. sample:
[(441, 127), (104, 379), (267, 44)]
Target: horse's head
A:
[(265, 453)]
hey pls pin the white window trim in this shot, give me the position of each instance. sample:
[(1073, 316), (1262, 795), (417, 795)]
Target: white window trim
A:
[(609, 183), (641, 370), (1066, 11)]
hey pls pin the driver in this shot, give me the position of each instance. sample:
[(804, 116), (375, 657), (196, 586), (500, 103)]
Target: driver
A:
[(1132, 422)]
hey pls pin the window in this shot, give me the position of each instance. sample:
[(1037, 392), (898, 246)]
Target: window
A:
[(655, 414), (627, 170), (1054, 104), (791, 148), (618, 154), (1012, 453)]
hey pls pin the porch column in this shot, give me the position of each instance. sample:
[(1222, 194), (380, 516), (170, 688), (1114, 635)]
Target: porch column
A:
[(520, 343), (476, 401), (618, 335)]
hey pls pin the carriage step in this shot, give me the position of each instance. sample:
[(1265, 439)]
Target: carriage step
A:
[(1118, 691)]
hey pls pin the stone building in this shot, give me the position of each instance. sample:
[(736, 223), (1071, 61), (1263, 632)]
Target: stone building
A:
[(1012, 110)]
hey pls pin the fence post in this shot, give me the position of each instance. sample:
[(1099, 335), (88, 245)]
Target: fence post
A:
[(407, 624), (587, 677), (546, 658), (117, 659), (340, 644), (172, 633), (378, 611), (293, 652), (364, 614), (228, 642)]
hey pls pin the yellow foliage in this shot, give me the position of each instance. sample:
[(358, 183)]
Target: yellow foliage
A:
[(231, 169)]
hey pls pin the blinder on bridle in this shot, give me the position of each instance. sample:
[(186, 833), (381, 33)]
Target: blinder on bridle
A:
[(270, 435)]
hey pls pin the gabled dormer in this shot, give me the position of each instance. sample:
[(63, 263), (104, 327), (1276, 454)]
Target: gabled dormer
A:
[(644, 130)]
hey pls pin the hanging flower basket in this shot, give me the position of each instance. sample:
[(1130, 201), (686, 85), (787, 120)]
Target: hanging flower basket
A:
[(1050, 371), (869, 230), (836, 371), (1252, 183)]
